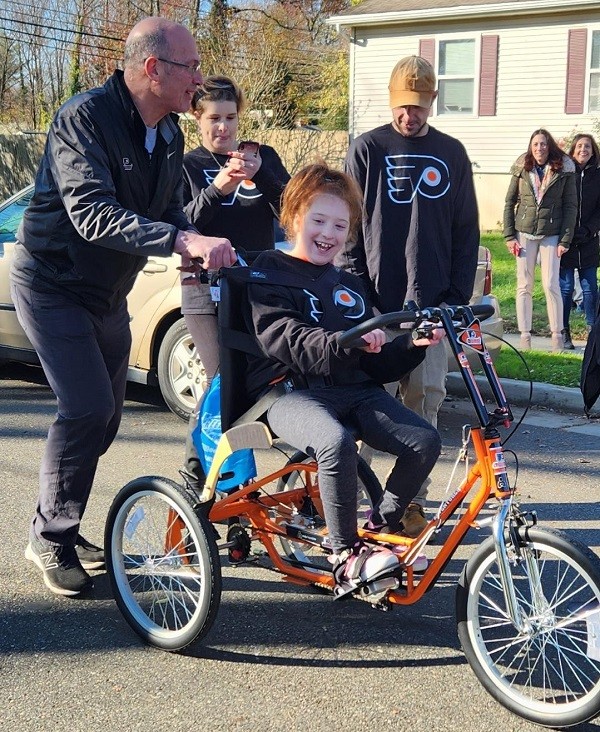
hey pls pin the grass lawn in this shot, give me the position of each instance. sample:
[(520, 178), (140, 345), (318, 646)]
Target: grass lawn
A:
[(561, 369)]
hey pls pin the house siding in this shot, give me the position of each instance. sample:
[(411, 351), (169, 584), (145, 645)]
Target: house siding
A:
[(531, 82)]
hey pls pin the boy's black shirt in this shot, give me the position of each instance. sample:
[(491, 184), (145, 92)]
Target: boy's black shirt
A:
[(245, 217)]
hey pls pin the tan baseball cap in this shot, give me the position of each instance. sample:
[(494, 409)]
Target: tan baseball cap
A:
[(412, 83)]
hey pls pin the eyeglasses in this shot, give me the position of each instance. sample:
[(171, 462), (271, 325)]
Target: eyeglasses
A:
[(190, 68)]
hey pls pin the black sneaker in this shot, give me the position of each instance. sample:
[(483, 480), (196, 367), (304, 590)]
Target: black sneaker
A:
[(63, 573), (90, 556)]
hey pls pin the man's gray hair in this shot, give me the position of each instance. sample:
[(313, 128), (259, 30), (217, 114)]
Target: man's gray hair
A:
[(138, 49)]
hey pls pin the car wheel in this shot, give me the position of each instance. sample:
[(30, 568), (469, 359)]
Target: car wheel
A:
[(181, 374)]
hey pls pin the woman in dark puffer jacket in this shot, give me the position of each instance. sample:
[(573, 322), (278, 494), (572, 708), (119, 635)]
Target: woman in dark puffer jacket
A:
[(584, 253), (539, 218)]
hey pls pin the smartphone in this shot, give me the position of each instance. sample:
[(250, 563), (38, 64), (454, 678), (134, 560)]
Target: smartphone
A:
[(247, 146)]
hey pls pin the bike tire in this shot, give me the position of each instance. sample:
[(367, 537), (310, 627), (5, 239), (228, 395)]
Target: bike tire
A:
[(163, 563), (545, 675), (369, 494)]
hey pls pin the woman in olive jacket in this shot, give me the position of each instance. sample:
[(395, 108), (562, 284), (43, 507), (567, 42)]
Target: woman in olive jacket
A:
[(584, 252), (539, 219)]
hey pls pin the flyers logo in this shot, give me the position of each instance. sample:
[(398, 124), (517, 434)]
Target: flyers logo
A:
[(409, 175), (246, 189), (349, 303)]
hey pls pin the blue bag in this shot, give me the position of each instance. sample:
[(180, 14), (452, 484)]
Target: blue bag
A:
[(239, 467)]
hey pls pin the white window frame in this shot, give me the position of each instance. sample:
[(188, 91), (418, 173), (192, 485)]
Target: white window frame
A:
[(590, 71), (476, 37)]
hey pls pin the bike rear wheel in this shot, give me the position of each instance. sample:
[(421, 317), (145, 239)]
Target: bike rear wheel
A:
[(163, 563), (550, 673)]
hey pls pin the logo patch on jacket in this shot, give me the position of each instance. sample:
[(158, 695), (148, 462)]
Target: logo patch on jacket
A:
[(409, 175), (348, 302)]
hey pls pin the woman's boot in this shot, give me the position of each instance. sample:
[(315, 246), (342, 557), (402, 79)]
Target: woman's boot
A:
[(557, 342), (525, 342), (567, 342)]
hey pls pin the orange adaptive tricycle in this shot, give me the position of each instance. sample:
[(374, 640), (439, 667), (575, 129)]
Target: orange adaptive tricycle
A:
[(527, 601)]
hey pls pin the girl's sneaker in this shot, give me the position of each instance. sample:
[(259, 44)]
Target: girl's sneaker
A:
[(419, 565), (359, 565), (421, 562)]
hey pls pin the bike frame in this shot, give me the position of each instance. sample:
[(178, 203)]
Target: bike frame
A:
[(488, 470)]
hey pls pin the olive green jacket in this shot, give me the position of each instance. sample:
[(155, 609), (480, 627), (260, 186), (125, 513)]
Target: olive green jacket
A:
[(555, 214)]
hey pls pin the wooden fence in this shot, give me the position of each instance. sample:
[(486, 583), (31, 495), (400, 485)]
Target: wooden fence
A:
[(20, 153)]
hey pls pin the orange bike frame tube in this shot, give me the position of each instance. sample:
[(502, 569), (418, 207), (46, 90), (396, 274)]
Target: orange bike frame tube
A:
[(174, 537), (256, 509), (483, 468)]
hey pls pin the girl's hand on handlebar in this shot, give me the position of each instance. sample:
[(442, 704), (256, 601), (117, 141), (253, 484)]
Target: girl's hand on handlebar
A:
[(374, 339), (435, 336)]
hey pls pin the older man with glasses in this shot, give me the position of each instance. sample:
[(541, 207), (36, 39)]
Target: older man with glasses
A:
[(108, 194)]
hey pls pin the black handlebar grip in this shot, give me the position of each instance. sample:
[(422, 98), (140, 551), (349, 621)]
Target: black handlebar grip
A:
[(352, 338), (482, 311)]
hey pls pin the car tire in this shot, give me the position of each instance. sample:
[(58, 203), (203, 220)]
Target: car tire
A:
[(181, 374)]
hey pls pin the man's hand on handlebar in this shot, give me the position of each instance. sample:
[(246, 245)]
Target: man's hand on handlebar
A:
[(214, 251)]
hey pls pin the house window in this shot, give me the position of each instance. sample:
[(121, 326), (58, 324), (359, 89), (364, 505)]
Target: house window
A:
[(595, 73), (456, 77)]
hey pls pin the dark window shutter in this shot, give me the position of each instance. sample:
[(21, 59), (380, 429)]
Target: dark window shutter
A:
[(575, 91), (427, 50), (488, 80)]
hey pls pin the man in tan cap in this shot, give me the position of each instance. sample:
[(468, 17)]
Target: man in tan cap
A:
[(420, 231)]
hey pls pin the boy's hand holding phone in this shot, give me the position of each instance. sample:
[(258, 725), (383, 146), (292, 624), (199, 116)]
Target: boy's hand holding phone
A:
[(243, 164), (248, 154)]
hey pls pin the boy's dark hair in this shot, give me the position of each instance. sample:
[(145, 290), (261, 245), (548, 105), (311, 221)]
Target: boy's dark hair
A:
[(218, 89)]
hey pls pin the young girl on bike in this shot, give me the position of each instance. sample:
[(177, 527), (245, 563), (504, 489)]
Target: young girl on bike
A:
[(298, 327)]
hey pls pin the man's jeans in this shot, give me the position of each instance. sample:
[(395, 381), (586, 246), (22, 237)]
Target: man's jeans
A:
[(588, 278)]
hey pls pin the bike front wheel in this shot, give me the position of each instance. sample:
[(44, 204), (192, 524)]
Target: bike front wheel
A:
[(163, 563), (549, 671)]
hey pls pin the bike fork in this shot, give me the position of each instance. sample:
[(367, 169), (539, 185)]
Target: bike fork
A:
[(499, 525)]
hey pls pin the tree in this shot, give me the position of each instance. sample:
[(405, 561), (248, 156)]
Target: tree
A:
[(8, 74), (290, 63)]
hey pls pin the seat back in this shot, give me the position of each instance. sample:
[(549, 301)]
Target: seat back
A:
[(235, 343)]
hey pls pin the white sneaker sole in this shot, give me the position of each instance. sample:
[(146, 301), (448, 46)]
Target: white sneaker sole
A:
[(387, 565), (33, 557), (419, 565), (92, 565)]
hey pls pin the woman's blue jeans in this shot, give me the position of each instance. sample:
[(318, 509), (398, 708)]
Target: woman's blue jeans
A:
[(588, 277)]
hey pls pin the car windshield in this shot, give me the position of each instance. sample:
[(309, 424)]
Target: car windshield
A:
[(10, 218)]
